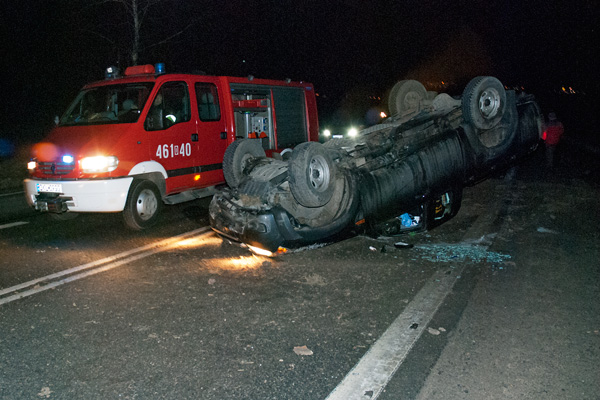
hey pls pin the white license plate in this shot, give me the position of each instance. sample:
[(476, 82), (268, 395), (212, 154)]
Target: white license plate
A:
[(48, 187)]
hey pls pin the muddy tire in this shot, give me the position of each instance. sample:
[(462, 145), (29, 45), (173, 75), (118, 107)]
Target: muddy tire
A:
[(492, 144), (311, 174), (236, 159), (406, 96), (483, 102), (143, 205)]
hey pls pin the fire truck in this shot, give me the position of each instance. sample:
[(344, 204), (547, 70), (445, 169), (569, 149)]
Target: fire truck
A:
[(134, 142)]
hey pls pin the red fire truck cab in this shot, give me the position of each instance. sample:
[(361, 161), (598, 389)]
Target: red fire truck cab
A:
[(131, 143)]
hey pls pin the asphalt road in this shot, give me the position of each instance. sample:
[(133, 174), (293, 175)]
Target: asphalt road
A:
[(501, 302)]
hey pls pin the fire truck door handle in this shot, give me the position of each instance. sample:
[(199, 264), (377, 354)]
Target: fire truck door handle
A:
[(194, 137), (223, 135)]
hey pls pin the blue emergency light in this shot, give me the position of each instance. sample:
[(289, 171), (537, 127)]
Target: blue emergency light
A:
[(159, 68), (111, 72)]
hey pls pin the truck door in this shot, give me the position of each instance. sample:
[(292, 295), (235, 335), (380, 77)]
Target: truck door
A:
[(212, 134), (171, 133)]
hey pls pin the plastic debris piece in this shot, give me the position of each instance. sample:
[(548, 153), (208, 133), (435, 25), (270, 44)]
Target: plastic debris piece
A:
[(212, 281), (303, 351), (372, 248), (546, 230), (406, 220), (433, 331), (403, 245)]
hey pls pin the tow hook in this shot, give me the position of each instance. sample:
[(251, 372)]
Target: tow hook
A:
[(51, 202)]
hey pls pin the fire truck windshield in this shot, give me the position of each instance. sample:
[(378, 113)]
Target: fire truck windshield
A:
[(111, 104)]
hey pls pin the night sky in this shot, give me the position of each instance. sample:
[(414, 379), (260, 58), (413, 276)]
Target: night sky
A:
[(347, 48)]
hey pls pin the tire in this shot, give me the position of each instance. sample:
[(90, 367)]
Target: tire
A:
[(143, 205), (236, 158), (405, 97), (483, 102), (491, 145), (311, 174)]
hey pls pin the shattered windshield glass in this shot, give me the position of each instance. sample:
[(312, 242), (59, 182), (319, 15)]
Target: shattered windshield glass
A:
[(114, 104)]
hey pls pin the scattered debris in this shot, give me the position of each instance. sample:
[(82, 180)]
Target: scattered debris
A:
[(303, 351), (433, 331), (314, 280), (45, 392), (460, 252), (372, 248), (414, 326), (546, 230), (212, 281), (403, 245)]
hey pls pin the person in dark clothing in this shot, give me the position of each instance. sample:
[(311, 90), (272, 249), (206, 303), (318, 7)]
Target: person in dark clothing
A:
[(552, 134)]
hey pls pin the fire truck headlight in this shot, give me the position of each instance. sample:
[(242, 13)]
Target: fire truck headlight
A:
[(31, 165), (99, 164), (68, 159), (326, 133), (352, 132)]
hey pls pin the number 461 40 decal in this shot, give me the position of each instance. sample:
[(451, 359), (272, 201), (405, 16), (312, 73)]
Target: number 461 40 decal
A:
[(173, 150)]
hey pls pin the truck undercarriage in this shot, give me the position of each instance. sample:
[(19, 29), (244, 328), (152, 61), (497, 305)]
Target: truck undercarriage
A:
[(405, 173)]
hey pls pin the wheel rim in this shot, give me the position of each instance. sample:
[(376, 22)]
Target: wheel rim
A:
[(489, 103), (318, 173), (146, 204), (412, 100)]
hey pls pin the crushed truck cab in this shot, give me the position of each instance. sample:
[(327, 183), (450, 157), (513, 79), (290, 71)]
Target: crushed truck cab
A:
[(132, 143)]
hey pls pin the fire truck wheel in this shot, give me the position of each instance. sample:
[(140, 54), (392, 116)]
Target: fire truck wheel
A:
[(311, 174), (143, 205), (483, 102), (405, 97), (237, 156)]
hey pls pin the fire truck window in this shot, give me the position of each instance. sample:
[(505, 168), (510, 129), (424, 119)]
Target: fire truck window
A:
[(170, 106), (208, 102)]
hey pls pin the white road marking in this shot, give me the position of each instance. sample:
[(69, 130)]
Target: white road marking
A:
[(94, 267), (13, 224), (371, 374), (369, 377), (11, 194)]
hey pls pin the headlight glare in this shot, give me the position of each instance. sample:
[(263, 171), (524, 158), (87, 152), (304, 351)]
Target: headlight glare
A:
[(99, 164)]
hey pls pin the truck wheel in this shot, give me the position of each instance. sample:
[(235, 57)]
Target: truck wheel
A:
[(237, 156), (483, 102), (311, 174), (143, 205), (406, 97)]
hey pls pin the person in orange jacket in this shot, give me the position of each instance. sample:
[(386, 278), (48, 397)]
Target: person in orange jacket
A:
[(552, 134)]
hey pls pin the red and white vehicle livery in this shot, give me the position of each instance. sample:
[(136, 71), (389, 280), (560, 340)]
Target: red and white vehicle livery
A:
[(129, 144)]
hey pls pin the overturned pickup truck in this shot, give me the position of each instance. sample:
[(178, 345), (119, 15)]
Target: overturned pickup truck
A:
[(413, 165)]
